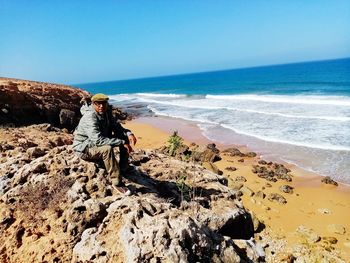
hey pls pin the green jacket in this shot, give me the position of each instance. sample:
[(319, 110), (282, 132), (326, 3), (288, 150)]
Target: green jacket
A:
[(97, 130)]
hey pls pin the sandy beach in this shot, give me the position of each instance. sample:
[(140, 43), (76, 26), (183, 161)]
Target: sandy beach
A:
[(323, 210)]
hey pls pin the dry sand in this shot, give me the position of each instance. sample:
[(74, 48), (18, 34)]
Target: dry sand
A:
[(312, 204)]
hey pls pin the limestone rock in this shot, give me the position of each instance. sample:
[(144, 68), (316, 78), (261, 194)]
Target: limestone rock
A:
[(89, 248), (237, 186), (274, 197), (273, 173), (331, 240), (30, 102), (240, 179), (252, 249), (286, 189), (212, 167), (233, 152), (260, 194), (285, 257), (67, 118), (336, 229), (179, 212), (231, 168), (256, 222), (247, 191), (35, 152), (308, 234), (207, 153), (251, 154), (328, 180)]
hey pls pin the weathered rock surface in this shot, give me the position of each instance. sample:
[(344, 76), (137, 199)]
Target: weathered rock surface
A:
[(260, 194), (274, 197), (52, 200), (328, 180), (24, 102), (231, 168), (212, 167), (272, 171), (27, 102), (205, 153), (308, 234), (286, 189), (237, 152), (240, 179), (336, 229)]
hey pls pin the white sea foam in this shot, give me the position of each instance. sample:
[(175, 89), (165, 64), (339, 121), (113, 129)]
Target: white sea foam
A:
[(330, 118), (295, 143), (315, 127), (180, 116), (186, 104), (313, 100), (160, 95), (284, 124), (212, 102)]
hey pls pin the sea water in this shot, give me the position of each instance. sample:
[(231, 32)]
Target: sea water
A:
[(299, 113)]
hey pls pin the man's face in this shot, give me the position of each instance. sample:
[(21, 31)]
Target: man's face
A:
[(100, 106)]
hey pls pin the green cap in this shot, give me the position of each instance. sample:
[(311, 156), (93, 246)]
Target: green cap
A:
[(99, 97)]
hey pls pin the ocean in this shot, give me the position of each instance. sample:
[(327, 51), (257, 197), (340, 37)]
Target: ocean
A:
[(298, 113)]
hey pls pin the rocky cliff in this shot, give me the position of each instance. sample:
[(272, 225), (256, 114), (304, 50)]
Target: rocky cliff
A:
[(25, 102), (56, 207)]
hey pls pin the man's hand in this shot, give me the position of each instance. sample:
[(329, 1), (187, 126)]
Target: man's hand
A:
[(128, 148), (132, 139)]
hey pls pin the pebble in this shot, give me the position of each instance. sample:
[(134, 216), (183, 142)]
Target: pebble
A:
[(325, 211)]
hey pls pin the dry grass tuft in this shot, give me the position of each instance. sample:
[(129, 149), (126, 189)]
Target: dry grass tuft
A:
[(44, 196)]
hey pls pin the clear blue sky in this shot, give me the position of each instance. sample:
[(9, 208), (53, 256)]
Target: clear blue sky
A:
[(87, 41)]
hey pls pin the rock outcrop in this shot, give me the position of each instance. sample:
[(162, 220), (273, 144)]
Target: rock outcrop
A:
[(272, 171), (329, 180), (56, 207), (25, 102)]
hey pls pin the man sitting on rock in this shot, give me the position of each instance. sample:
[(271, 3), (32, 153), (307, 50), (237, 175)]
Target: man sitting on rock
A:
[(96, 136)]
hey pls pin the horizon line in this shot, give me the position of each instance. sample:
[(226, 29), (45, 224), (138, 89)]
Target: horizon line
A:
[(209, 71)]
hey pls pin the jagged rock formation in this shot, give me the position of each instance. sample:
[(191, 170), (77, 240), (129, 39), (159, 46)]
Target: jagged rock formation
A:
[(56, 207), (25, 102)]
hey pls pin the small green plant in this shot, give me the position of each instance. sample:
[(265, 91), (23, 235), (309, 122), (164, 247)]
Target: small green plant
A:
[(187, 157), (184, 188), (174, 142)]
